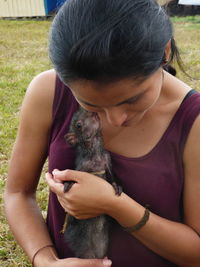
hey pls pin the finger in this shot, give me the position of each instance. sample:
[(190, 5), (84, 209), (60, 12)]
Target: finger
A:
[(55, 187), (95, 262), (104, 262), (67, 175)]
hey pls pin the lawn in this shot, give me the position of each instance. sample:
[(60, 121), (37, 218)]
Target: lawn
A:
[(23, 54)]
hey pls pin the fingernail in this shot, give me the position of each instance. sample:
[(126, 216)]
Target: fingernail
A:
[(47, 174), (107, 262), (55, 171)]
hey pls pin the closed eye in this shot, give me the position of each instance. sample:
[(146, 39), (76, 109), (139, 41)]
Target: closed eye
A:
[(127, 101), (131, 100)]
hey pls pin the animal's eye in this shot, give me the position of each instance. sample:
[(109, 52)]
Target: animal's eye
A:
[(78, 125)]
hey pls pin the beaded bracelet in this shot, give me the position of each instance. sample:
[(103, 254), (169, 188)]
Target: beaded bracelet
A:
[(140, 224), (47, 246)]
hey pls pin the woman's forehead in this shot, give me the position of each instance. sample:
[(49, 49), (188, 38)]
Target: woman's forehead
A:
[(98, 93)]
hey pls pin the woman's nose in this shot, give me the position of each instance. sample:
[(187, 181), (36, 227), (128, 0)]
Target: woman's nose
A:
[(115, 116)]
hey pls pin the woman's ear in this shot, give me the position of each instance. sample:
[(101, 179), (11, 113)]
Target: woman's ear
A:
[(167, 51)]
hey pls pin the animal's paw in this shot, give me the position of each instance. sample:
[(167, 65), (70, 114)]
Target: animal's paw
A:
[(117, 188), (71, 139)]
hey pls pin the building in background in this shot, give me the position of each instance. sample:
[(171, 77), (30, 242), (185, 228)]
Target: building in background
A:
[(189, 2), (182, 7), (43, 8), (28, 8)]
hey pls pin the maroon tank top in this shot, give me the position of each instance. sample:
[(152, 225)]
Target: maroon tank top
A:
[(155, 179)]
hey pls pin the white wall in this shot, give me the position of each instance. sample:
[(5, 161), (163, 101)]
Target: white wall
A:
[(189, 2), (22, 8)]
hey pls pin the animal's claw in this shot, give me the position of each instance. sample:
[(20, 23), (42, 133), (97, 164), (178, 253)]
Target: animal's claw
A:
[(67, 186), (117, 188)]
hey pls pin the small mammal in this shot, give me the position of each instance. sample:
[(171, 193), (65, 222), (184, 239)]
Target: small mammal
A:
[(89, 238)]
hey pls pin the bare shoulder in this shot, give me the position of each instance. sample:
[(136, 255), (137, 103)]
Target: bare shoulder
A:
[(44, 78), (43, 85), (39, 97), (192, 147), (191, 160)]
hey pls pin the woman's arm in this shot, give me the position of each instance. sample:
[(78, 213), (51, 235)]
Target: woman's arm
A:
[(28, 157), (177, 242)]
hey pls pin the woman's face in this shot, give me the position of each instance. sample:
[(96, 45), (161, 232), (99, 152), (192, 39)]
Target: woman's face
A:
[(122, 103)]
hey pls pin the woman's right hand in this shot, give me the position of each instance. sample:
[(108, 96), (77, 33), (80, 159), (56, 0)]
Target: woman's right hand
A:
[(76, 262), (72, 262)]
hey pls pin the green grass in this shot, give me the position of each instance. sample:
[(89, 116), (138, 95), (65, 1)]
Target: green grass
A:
[(188, 19), (23, 54), (187, 34)]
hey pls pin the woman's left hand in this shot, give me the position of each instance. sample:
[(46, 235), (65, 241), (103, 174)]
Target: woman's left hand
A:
[(89, 196)]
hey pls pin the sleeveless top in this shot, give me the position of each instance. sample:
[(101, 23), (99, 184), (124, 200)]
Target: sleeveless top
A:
[(155, 179)]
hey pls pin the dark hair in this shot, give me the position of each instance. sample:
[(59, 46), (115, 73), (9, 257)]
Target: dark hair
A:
[(106, 40)]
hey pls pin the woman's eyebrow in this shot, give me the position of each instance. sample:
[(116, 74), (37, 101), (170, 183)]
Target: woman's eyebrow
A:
[(132, 99)]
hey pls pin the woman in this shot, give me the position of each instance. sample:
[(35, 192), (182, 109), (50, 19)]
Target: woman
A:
[(109, 58)]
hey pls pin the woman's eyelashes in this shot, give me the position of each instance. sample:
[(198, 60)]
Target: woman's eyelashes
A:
[(133, 100), (99, 109)]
